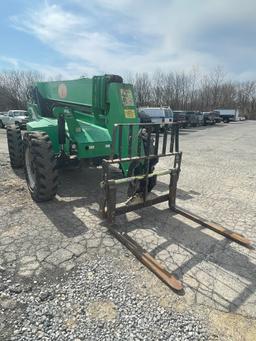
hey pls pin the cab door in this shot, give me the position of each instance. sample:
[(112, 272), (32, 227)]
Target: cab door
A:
[(169, 117)]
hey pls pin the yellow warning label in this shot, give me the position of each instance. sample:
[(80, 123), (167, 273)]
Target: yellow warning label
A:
[(129, 113)]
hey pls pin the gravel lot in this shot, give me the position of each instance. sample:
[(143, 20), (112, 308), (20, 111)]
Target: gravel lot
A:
[(63, 277)]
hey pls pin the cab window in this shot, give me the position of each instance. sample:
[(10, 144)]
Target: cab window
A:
[(168, 113)]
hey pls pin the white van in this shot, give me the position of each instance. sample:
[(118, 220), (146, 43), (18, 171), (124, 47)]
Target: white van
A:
[(159, 115)]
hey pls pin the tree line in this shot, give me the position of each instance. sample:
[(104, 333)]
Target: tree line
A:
[(14, 86), (179, 90), (195, 91)]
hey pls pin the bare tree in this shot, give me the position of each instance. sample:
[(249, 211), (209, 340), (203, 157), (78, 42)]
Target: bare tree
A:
[(143, 89), (195, 91), (14, 86)]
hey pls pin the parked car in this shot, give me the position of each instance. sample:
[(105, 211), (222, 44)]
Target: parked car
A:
[(228, 115), (168, 113), (200, 118), (242, 118), (18, 117), (144, 118), (208, 117), (180, 116), (217, 118), (159, 115), (2, 118), (191, 118)]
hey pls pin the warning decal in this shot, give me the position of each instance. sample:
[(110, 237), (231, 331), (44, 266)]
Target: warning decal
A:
[(129, 113)]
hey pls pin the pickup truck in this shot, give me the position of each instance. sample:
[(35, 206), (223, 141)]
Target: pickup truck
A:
[(200, 118), (217, 117), (191, 118), (18, 117), (180, 116), (209, 117)]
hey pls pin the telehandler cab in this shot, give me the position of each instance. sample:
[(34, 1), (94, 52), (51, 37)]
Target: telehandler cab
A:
[(96, 119)]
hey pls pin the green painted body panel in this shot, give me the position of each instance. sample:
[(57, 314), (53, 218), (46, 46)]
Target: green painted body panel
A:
[(75, 91), (92, 141), (91, 108)]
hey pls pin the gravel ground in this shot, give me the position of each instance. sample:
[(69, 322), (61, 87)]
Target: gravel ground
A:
[(97, 302), (63, 277)]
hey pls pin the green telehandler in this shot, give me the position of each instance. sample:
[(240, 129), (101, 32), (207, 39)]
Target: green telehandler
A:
[(96, 120), (86, 119)]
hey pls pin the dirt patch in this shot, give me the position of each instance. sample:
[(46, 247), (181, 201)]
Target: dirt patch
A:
[(102, 310), (233, 326)]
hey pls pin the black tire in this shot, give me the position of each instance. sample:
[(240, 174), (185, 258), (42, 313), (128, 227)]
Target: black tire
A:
[(1, 124), (136, 169), (15, 146), (40, 166)]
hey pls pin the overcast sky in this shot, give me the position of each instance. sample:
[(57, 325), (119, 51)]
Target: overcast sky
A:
[(87, 37)]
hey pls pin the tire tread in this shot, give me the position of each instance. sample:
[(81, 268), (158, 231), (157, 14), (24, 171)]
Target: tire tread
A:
[(45, 165), (15, 146)]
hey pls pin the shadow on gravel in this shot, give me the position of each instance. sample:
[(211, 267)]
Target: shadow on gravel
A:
[(77, 189), (185, 247), (181, 194), (187, 131), (192, 246), (61, 214)]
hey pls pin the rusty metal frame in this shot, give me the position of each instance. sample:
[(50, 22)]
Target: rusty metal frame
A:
[(149, 261), (234, 236), (170, 148)]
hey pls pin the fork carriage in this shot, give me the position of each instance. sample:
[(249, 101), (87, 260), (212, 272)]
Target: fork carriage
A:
[(145, 149)]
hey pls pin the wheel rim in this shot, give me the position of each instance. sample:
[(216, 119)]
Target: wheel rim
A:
[(30, 168)]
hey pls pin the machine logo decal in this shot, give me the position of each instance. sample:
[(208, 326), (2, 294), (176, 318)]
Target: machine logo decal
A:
[(62, 90)]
